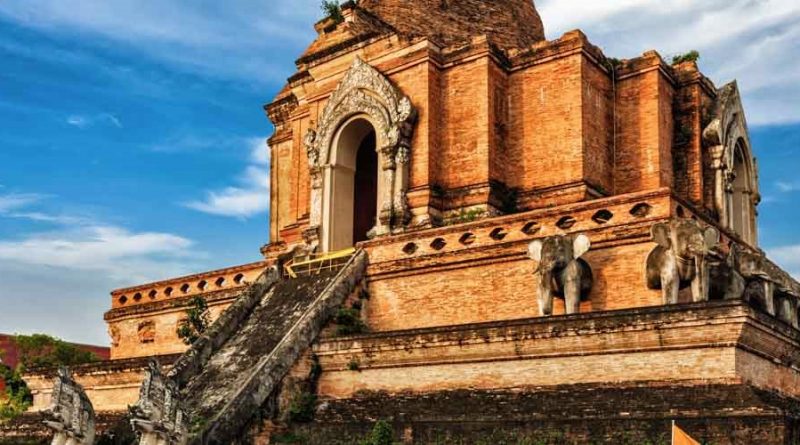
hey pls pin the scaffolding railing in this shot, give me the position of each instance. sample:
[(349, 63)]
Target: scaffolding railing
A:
[(316, 263)]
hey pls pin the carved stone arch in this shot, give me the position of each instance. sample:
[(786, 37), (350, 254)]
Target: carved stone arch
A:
[(727, 140), (364, 91)]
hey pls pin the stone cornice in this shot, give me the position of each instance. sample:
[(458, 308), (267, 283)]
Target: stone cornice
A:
[(106, 366), (197, 276), (171, 304)]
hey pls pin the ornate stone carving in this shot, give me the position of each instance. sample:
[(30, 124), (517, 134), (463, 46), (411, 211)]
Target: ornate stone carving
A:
[(70, 415), (157, 417), (365, 91)]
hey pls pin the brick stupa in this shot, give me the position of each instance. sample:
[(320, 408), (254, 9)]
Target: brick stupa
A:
[(482, 236)]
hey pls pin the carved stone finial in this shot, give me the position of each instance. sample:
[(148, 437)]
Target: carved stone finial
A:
[(70, 414), (157, 416)]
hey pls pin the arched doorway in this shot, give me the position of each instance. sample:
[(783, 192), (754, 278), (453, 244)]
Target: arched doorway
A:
[(350, 206), (365, 192)]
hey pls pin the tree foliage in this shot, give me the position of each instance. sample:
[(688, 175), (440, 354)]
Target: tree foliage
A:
[(332, 10), (40, 350), (35, 351), (691, 56), (17, 397), (196, 322)]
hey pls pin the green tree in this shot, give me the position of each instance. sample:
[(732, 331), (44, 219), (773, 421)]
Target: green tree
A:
[(44, 351), (332, 10), (17, 398), (196, 322), (35, 351)]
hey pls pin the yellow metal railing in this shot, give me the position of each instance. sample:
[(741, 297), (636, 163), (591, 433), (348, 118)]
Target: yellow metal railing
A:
[(318, 262)]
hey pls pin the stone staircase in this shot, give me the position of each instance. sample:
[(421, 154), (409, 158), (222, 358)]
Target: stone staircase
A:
[(228, 374)]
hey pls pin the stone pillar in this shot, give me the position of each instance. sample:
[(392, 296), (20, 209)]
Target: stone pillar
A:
[(386, 202), (769, 296), (402, 214)]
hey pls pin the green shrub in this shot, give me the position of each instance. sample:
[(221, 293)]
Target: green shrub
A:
[(382, 434), (332, 10), (348, 321), (196, 322), (301, 408), (353, 365), (691, 56)]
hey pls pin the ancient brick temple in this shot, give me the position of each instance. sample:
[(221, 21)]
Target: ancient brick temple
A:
[(479, 236)]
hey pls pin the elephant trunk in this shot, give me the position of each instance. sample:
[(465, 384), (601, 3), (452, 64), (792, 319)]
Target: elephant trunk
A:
[(545, 292)]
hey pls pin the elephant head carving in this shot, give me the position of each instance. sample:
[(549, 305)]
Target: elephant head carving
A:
[(562, 271), (681, 258)]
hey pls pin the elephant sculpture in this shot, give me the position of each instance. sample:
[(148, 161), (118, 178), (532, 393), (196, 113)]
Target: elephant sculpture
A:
[(562, 271), (725, 280), (681, 258)]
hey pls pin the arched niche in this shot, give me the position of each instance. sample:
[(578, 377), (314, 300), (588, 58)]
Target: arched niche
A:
[(350, 184), (363, 96), (734, 189), (740, 193)]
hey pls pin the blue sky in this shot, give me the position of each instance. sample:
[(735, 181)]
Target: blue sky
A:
[(132, 139)]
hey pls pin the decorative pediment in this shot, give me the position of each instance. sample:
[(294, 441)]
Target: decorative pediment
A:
[(732, 164), (728, 124), (363, 90)]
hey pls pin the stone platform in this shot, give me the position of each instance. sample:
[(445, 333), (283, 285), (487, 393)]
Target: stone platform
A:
[(727, 372)]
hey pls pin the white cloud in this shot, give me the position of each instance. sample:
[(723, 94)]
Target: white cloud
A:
[(250, 196), (231, 39), (78, 121), (108, 249), (81, 243), (14, 201), (83, 121), (259, 152), (749, 40), (788, 257), (17, 205), (787, 187), (70, 268)]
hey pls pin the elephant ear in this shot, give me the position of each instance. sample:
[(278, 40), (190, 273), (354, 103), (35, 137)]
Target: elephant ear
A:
[(535, 250), (580, 245), (711, 237), (660, 234)]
